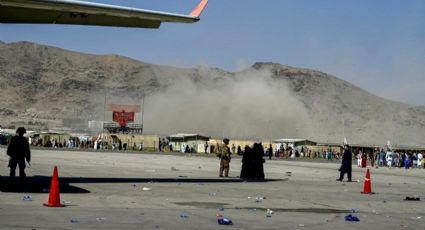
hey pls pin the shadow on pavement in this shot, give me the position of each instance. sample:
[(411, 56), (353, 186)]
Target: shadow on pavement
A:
[(36, 184), (41, 184)]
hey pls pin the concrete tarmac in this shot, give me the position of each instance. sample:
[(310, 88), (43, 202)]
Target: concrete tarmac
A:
[(106, 190)]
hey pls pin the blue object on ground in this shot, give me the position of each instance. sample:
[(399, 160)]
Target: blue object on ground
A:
[(224, 221), (351, 218)]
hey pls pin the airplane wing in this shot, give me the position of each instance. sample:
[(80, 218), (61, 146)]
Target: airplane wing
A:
[(89, 13)]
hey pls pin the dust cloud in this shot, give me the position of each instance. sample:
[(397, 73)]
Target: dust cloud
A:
[(249, 105)]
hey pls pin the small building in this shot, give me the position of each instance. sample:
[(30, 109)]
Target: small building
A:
[(295, 143), (182, 142), (48, 137), (135, 142), (325, 147)]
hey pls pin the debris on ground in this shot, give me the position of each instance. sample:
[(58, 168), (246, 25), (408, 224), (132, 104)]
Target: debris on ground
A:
[(212, 194), (412, 198), (27, 198), (269, 213), (146, 189), (174, 169), (223, 221), (74, 221), (351, 218)]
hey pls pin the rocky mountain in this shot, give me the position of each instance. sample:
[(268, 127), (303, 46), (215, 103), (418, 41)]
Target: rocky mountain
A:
[(48, 87)]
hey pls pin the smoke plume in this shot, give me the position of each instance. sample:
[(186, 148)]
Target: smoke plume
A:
[(242, 105)]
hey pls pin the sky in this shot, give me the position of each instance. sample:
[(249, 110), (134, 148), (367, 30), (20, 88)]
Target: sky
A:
[(377, 45)]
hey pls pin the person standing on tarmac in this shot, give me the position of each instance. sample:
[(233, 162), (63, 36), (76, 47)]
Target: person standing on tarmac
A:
[(18, 151), (346, 164), (270, 151), (224, 155)]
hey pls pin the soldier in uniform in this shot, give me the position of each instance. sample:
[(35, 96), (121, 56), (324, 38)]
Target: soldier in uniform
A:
[(224, 155), (18, 151)]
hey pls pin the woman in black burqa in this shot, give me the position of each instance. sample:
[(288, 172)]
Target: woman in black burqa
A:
[(247, 165), (252, 163)]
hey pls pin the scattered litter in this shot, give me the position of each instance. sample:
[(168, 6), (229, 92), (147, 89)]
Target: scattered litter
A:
[(199, 167), (259, 199), (269, 213), (212, 194), (74, 221), (27, 198), (100, 218), (351, 218), (174, 169), (385, 201), (223, 221), (134, 185), (221, 209), (416, 217), (182, 176), (358, 181), (67, 202), (301, 225), (412, 198), (354, 210), (146, 189), (184, 216)]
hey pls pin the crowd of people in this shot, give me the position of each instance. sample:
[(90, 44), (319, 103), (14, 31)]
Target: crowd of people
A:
[(67, 143), (390, 159)]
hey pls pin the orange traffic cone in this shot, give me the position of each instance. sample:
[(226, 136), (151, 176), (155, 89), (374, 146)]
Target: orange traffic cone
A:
[(54, 196), (367, 188)]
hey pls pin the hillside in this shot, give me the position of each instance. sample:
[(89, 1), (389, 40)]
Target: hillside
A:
[(52, 86)]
